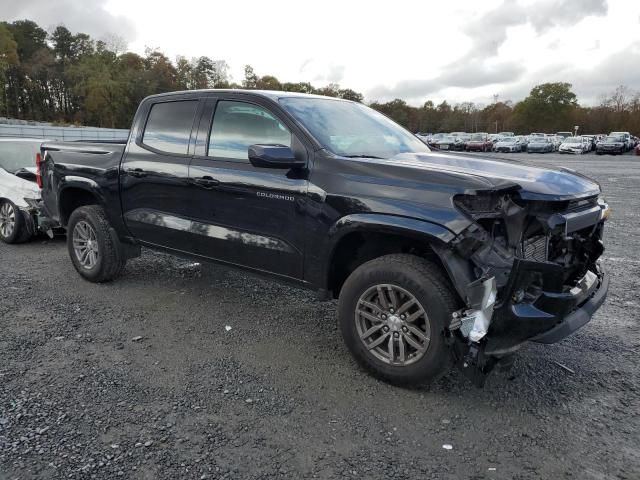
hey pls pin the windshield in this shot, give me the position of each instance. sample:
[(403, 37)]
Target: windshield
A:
[(573, 140), (351, 129), (508, 140), (17, 155), (539, 140), (478, 138), (614, 139)]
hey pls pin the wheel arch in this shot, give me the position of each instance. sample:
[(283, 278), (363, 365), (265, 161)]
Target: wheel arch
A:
[(356, 239), (74, 195)]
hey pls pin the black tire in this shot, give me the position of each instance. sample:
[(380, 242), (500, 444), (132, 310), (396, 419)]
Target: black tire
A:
[(425, 281), (22, 229), (110, 258)]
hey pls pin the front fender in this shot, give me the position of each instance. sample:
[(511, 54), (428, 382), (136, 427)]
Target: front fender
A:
[(388, 224), (421, 230)]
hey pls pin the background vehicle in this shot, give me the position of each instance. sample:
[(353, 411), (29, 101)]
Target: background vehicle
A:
[(555, 140), (331, 195), (510, 145), (479, 142), (433, 139), (19, 190), (539, 145), (611, 145), (450, 142), (591, 141), (574, 145), (425, 137), (626, 136)]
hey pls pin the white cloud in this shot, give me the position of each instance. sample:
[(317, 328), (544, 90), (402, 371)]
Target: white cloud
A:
[(460, 49), (86, 16)]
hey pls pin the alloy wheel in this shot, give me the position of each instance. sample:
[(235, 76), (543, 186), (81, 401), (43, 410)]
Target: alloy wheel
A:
[(85, 245), (7, 219), (392, 325)]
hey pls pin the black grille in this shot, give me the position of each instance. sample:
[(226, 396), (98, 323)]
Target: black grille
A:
[(535, 248)]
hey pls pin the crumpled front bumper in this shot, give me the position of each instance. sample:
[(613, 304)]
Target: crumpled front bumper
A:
[(553, 315)]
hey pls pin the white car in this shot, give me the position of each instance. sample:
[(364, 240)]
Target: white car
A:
[(19, 190), (576, 145), (510, 145)]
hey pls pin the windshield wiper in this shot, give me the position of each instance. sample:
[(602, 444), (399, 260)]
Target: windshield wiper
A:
[(364, 156)]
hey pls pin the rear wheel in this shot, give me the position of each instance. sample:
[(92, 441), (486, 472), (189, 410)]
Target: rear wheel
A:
[(14, 224), (94, 248), (392, 312)]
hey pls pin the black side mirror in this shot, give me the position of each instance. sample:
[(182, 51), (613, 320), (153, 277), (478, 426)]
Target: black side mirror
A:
[(273, 156)]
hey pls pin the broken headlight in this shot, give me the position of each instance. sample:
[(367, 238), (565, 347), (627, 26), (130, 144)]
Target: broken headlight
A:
[(480, 205)]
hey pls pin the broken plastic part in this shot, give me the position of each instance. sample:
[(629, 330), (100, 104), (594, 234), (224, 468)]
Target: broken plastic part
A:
[(482, 298)]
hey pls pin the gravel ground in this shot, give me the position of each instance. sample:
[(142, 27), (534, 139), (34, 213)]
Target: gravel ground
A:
[(142, 378)]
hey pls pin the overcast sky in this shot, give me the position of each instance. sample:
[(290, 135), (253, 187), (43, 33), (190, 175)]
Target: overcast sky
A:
[(461, 50)]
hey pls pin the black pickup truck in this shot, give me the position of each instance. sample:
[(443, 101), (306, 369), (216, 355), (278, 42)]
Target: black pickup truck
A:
[(435, 258)]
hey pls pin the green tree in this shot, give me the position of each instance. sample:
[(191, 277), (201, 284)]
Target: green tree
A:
[(8, 58), (250, 78), (549, 107), (268, 82)]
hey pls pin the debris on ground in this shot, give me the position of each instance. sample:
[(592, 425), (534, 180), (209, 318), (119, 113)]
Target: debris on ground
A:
[(564, 367)]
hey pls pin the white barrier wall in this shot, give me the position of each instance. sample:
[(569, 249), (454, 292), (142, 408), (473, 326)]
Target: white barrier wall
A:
[(62, 133)]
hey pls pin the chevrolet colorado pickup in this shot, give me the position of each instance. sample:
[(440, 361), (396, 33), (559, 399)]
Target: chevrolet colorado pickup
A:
[(436, 259)]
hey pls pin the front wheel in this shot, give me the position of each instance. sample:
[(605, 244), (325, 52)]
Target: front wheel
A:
[(93, 246), (392, 313)]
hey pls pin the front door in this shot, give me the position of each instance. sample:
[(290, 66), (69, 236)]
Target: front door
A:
[(242, 214)]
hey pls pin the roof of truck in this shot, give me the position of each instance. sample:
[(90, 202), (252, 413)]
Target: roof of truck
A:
[(271, 94)]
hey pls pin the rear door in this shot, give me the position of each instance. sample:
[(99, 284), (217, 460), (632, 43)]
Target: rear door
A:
[(242, 214), (155, 192)]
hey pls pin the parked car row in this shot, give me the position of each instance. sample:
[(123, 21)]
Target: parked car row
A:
[(508, 142)]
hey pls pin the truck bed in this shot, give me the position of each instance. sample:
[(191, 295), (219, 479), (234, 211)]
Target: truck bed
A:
[(92, 165)]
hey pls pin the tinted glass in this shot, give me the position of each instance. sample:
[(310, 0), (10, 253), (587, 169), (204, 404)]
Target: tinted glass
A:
[(169, 126), (238, 125), (352, 129), (17, 155)]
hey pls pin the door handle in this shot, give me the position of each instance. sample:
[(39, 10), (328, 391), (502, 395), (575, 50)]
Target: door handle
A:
[(137, 172), (206, 182)]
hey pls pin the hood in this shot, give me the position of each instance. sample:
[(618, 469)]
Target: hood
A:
[(534, 183)]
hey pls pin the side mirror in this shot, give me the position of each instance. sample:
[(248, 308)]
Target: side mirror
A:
[(273, 156)]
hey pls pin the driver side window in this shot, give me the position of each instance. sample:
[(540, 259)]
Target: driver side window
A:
[(238, 125)]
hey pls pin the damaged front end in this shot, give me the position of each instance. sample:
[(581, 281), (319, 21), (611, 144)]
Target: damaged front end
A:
[(527, 269)]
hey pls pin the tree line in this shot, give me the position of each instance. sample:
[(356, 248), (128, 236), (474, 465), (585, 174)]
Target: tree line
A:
[(70, 78), (549, 108)]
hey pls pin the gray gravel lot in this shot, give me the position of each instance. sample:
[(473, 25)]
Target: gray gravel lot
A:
[(278, 396)]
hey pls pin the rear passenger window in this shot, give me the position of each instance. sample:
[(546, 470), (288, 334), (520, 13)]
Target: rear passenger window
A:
[(169, 126), (238, 125)]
